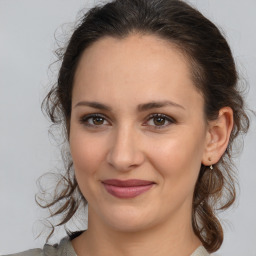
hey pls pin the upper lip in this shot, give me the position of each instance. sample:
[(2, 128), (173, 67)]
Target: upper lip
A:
[(127, 183)]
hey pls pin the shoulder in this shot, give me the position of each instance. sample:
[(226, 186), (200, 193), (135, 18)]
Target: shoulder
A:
[(32, 252), (200, 251), (63, 248)]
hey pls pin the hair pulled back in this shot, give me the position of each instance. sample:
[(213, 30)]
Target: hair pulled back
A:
[(214, 75)]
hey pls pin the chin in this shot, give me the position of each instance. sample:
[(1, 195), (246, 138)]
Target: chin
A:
[(127, 219), (128, 225)]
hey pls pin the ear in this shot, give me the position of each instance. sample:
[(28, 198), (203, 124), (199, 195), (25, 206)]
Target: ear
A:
[(217, 137)]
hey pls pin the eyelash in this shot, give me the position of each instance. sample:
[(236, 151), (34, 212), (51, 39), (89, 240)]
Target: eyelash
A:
[(165, 117), (84, 120)]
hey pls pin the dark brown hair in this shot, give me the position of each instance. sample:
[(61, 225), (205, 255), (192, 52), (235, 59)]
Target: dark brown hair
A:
[(214, 74)]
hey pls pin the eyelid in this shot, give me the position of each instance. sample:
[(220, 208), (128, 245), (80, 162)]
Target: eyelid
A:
[(166, 117), (84, 120)]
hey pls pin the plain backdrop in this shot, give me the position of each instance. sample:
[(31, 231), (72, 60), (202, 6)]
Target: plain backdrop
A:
[(27, 43)]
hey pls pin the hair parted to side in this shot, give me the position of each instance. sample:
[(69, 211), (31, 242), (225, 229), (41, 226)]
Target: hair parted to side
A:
[(214, 75)]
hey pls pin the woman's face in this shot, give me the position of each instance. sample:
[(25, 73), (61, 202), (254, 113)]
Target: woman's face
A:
[(138, 133)]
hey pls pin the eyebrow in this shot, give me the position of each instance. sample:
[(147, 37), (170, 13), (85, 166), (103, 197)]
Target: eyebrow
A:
[(140, 108), (158, 104), (94, 104)]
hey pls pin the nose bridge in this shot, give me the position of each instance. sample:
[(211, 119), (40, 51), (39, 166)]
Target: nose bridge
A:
[(125, 152)]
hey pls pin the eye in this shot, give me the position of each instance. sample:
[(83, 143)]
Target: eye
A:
[(159, 121), (94, 120)]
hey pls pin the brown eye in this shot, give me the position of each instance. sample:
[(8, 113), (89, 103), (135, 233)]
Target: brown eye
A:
[(98, 120), (158, 120), (94, 120)]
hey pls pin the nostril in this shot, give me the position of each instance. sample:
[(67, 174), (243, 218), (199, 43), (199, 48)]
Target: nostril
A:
[(125, 153), (124, 161)]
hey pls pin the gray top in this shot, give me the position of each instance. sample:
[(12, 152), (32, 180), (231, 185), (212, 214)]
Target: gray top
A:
[(65, 248)]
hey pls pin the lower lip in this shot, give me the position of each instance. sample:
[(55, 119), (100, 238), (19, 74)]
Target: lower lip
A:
[(127, 192)]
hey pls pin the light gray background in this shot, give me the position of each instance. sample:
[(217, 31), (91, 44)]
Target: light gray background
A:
[(26, 49)]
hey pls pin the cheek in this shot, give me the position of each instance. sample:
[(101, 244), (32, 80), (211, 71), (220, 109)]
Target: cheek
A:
[(178, 163), (87, 154), (179, 157)]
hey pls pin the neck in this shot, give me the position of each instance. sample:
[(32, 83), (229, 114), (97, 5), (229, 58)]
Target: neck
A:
[(167, 239)]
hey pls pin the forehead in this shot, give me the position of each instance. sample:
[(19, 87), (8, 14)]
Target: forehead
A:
[(148, 51), (138, 66)]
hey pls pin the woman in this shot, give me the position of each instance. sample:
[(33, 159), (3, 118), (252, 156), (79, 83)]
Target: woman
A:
[(147, 93)]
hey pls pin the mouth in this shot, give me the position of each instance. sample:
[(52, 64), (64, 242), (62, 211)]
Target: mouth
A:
[(127, 188)]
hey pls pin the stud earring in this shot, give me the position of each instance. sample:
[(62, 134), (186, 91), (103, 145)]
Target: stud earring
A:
[(211, 167)]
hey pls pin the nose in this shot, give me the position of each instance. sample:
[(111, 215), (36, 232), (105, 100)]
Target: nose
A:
[(125, 152)]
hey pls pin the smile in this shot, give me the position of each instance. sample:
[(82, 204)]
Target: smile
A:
[(127, 188)]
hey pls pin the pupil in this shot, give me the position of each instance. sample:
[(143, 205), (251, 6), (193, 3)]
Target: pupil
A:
[(159, 120), (98, 120)]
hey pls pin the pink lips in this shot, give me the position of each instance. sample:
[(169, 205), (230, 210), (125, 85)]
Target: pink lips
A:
[(127, 188)]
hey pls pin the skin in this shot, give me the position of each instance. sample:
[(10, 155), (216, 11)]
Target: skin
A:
[(126, 143)]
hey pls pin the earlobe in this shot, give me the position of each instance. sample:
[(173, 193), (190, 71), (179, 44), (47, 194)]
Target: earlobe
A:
[(218, 135)]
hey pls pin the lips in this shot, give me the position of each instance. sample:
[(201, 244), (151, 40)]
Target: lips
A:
[(127, 188)]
